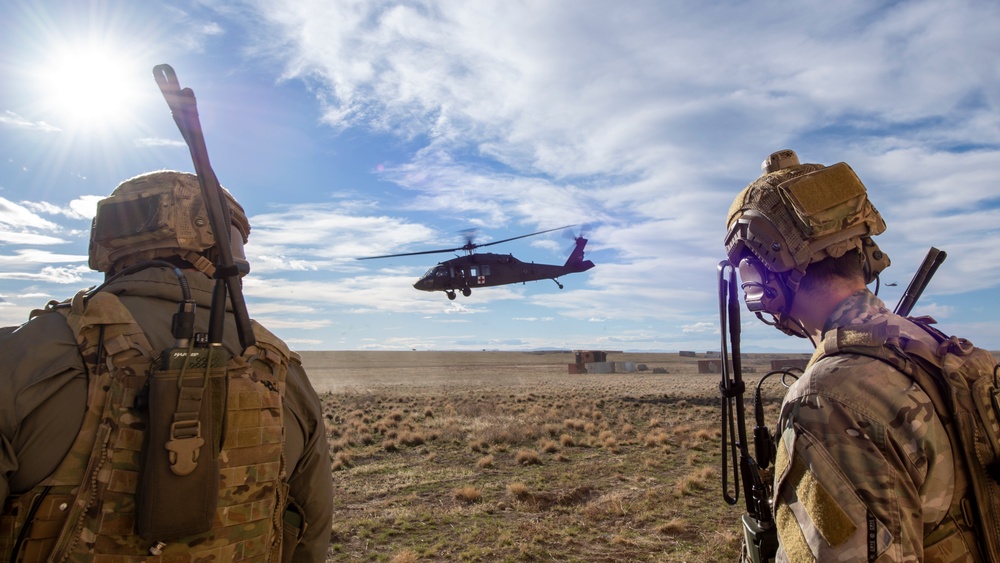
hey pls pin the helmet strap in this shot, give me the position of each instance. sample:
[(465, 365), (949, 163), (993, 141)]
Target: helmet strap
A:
[(202, 264)]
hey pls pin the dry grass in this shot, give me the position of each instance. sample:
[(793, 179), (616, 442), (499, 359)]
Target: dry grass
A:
[(507, 457)]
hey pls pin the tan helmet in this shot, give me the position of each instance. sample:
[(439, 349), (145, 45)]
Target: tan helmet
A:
[(793, 215), (159, 215)]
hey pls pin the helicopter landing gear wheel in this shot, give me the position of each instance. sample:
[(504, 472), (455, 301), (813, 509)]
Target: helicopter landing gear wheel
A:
[(466, 291), (450, 294)]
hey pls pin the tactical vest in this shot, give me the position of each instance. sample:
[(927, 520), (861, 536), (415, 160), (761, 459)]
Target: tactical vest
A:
[(962, 382), (86, 510)]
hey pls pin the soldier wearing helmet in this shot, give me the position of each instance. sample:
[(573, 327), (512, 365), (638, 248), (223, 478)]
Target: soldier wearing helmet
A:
[(864, 468), (77, 407)]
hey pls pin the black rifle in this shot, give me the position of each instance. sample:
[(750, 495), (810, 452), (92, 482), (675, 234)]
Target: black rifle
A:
[(920, 280), (184, 109)]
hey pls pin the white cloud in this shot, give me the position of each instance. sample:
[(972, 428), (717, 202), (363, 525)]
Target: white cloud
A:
[(146, 142), (701, 327), (52, 274), (14, 121), (321, 236), (29, 238), (23, 257), (81, 208), (192, 33), (564, 88), (13, 215)]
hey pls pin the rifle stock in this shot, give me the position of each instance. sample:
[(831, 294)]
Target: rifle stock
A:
[(759, 534), (920, 280)]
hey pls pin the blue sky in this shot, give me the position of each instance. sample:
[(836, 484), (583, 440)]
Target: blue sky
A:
[(358, 128)]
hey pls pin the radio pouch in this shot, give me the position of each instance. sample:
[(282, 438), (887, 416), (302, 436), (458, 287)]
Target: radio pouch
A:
[(178, 489)]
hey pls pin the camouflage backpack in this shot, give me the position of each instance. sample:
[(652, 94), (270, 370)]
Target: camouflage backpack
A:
[(963, 382), (90, 508)]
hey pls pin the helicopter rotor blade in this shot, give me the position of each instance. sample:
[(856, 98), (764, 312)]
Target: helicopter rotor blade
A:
[(468, 247), (524, 236), (412, 253)]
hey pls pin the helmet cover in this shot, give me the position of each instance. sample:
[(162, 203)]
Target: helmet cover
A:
[(791, 217), (794, 215), (158, 215)]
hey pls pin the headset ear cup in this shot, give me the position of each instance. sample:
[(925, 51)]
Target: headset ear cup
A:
[(873, 259), (762, 289)]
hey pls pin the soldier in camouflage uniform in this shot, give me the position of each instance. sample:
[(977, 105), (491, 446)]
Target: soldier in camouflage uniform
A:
[(45, 398), (864, 469)]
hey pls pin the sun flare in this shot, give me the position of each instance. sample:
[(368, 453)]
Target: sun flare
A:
[(93, 87)]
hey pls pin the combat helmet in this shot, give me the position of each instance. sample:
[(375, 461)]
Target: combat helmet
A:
[(161, 214), (794, 215)]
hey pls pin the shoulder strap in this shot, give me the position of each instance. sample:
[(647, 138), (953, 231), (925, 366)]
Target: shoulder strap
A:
[(107, 334), (123, 342)]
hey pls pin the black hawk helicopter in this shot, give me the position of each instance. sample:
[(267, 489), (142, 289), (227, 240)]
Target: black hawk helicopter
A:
[(487, 269)]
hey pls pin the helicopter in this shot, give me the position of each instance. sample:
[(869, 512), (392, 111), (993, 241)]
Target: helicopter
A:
[(462, 273)]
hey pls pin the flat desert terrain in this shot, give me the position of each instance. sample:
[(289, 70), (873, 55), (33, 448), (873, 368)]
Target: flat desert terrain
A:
[(432, 372), (507, 456)]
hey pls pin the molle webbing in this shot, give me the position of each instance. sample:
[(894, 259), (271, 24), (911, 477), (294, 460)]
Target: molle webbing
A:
[(98, 479)]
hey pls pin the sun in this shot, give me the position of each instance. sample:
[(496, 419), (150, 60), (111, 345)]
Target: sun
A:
[(90, 86)]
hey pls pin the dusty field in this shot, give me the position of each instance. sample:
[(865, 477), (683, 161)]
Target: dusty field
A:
[(505, 456)]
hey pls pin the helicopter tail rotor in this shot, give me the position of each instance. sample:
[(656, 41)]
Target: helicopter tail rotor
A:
[(576, 261)]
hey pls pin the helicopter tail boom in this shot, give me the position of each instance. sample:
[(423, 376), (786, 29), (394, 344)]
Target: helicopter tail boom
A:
[(576, 262)]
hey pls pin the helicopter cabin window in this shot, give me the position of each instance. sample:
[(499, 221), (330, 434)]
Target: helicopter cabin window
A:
[(476, 271)]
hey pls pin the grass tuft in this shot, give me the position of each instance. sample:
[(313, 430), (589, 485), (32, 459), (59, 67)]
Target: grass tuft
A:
[(527, 457), (467, 494)]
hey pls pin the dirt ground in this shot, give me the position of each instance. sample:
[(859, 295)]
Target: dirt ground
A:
[(507, 456)]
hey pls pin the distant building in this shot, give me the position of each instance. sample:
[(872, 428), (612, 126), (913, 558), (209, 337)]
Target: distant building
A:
[(587, 357), (596, 361)]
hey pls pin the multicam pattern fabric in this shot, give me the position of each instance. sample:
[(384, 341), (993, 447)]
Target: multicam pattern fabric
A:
[(819, 212), (89, 508), (864, 469)]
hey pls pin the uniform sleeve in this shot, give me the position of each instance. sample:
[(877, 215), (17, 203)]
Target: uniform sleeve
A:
[(43, 400), (8, 465), (860, 479), (308, 451)]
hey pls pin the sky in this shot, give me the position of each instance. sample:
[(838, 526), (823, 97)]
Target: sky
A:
[(356, 128)]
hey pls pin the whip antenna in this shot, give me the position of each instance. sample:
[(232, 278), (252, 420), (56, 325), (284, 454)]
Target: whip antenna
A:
[(184, 109)]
